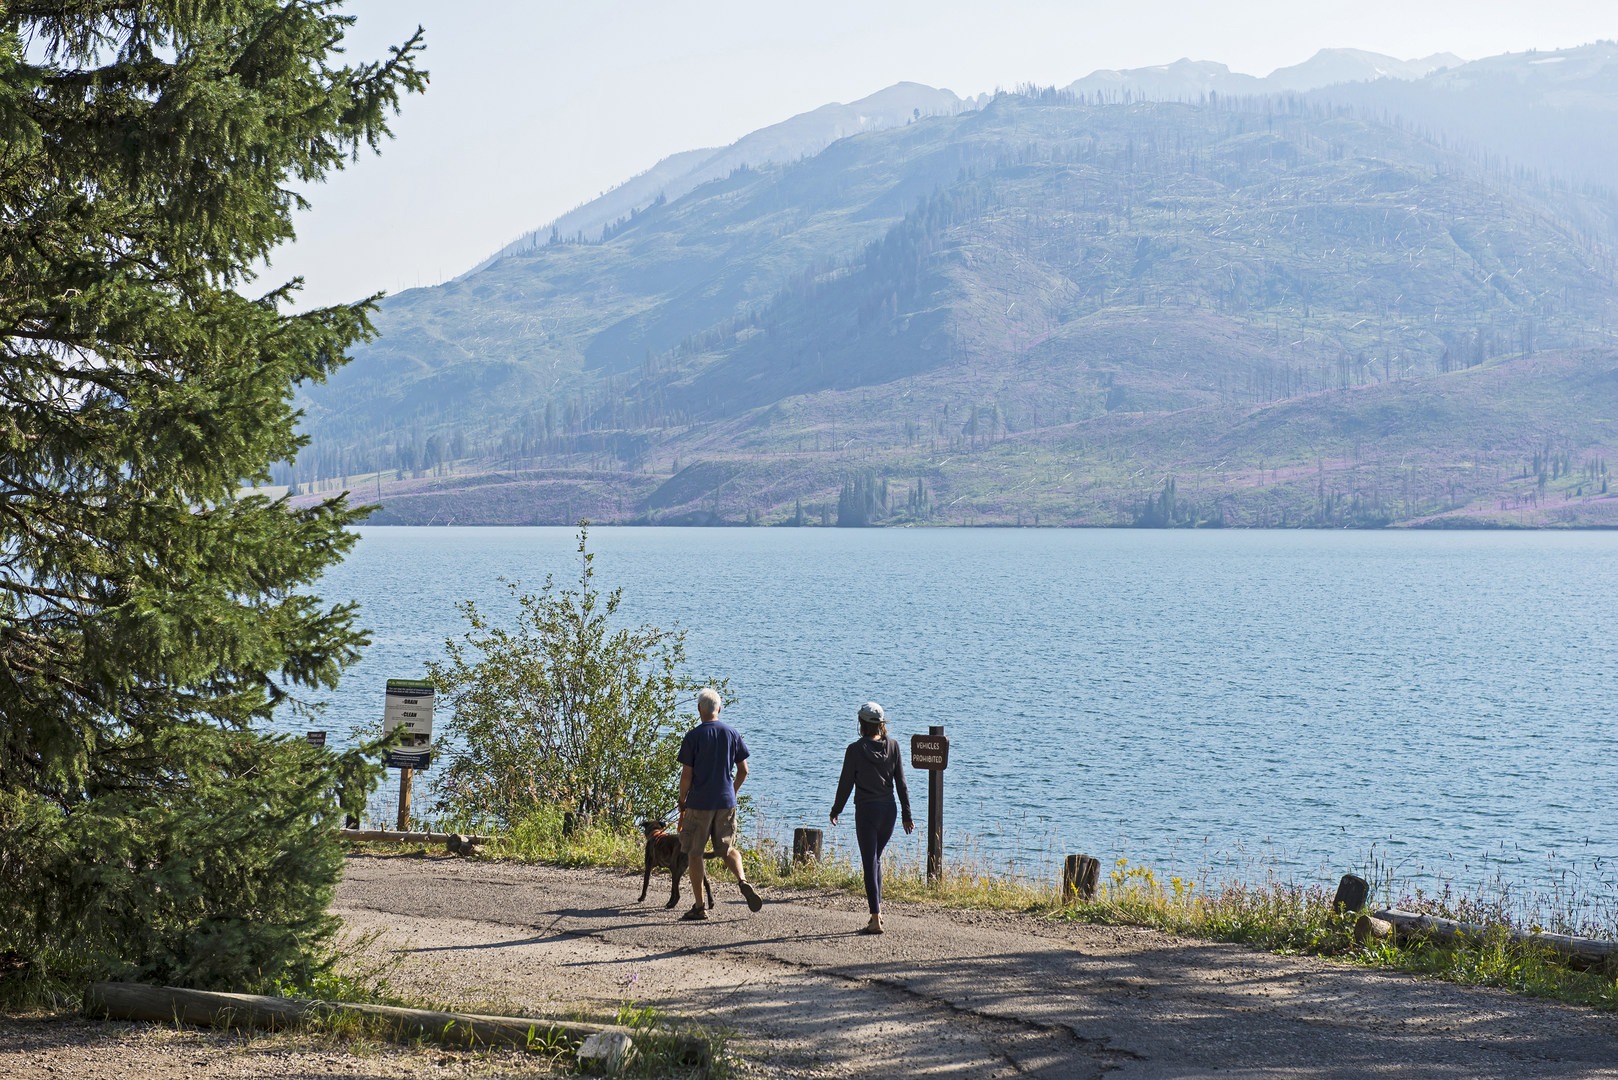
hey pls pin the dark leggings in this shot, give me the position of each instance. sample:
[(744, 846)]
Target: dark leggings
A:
[(873, 826)]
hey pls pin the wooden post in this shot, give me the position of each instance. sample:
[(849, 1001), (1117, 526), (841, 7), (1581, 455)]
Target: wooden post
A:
[(935, 818), (1080, 876), (806, 845), (404, 798), (1352, 892)]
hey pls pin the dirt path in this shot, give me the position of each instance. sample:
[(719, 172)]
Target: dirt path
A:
[(944, 993)]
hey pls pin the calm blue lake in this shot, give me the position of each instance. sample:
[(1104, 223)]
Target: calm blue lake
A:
[(1302, 702)]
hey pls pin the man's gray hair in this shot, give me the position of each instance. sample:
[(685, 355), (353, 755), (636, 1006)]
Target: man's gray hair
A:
[(708, 702)]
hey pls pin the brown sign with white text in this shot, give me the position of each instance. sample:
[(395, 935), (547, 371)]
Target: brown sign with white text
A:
[(930, 752)]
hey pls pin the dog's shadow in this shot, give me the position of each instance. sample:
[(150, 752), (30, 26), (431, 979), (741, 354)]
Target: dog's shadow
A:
[(600, 914)]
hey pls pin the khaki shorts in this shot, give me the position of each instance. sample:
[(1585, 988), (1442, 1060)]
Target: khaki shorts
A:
[(697, 827)]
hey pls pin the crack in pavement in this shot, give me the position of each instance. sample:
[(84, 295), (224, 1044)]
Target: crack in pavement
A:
[(935, 1001), (747, 958)]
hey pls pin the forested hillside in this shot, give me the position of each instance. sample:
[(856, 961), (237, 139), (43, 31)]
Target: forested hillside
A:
[(1057, 309)]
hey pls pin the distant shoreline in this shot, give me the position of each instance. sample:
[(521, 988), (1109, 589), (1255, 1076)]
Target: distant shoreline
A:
[(1432, 526)]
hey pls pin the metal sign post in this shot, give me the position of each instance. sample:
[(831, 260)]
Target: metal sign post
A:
[(931, 752)]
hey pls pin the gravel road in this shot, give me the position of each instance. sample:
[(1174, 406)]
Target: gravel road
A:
[(943, 993)]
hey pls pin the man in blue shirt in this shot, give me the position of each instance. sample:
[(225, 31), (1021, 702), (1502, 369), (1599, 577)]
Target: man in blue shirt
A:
[(708, 754)]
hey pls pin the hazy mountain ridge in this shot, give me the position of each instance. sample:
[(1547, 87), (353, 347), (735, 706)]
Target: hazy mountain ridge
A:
[(1189, 80), (810, 132), (800, 136), (1550, 112), (1044, 309), (1286, 219)]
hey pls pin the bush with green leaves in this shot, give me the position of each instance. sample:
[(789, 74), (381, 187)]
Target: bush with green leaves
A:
[(563, 709), (152, 614)]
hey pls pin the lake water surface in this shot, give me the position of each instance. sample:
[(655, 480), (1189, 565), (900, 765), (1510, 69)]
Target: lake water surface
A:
[(1195, 701)]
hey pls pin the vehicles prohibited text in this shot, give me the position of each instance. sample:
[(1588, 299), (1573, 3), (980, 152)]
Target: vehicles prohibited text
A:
[(930, 752)]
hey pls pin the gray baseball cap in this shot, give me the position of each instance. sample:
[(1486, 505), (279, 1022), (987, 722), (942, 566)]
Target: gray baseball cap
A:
[(871, 712)]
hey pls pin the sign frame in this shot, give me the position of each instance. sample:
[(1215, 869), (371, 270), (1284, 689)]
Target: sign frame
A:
[(409, 704)]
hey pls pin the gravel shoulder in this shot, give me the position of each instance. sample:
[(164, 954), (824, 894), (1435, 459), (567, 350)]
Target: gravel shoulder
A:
[(944, 993), (70, 1048)]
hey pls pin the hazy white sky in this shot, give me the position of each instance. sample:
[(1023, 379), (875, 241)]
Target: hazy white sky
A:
[(537, 106)]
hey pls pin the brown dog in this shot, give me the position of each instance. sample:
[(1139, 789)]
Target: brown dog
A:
[(663, 849)]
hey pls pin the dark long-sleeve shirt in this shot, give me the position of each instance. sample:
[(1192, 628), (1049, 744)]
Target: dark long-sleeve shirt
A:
[(872, 771)]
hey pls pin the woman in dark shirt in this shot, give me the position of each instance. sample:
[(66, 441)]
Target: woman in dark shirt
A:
[(873, 772)]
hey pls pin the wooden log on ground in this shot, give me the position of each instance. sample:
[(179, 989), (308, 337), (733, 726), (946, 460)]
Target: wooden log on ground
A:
[(806, 845), (1409, 924), (394, 836), (1369, 928), (1080, 876), (171, 1004), (1580, 952)]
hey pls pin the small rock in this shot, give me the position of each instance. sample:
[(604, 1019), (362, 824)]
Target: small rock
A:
[(610, 1050)]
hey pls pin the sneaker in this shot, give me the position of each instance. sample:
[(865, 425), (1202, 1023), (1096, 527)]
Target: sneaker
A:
[(753, 901), (872, 927), (698, 912)]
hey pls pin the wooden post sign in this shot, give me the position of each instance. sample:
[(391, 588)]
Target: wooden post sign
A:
[(409, 705), (931, 752)]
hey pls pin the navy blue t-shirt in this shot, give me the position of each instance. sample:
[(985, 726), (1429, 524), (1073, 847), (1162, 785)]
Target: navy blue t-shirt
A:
[(712, 749)]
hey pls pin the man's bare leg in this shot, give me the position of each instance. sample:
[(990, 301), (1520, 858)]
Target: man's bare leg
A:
[(697, 872), (733, 863), (698, 875)]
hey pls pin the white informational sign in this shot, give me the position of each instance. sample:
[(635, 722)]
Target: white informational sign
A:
[(410, 706)]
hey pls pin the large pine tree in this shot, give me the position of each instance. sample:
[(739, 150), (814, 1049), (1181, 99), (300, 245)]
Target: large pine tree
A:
[(150, 613)]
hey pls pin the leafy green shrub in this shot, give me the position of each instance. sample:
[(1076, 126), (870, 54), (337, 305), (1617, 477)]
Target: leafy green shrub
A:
[(562, 709)]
